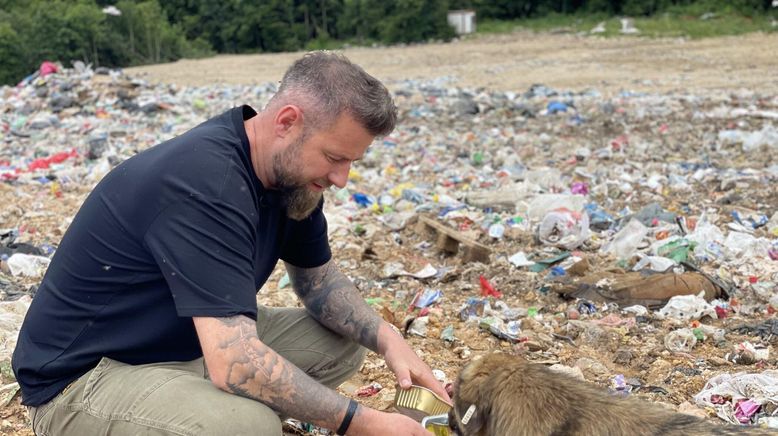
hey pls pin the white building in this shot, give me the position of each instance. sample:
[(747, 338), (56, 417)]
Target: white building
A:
[(463, 21)]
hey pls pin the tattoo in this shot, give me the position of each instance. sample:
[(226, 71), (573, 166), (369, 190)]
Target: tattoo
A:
[(254, 370), (334, 301)]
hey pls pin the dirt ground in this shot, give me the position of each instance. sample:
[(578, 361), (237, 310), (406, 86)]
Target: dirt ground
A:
[(515, 61), (509, 63)]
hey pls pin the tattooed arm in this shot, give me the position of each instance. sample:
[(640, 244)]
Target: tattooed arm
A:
[(239, 363), (333, 300)]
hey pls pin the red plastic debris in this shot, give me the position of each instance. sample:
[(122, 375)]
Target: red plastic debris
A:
[(43, 163), (619, 143), (487, 290), (721, 312), (47, 68), (369, 390)]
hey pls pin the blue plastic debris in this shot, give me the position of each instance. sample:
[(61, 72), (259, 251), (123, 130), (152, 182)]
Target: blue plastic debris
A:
[(556, 107), (427, 298)]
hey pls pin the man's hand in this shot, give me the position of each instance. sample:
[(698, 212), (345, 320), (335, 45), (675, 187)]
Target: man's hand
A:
[(375, 423), (332, 299), (406, 365)]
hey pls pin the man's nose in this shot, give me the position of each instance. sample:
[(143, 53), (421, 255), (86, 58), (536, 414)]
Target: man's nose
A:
[(339, 175)]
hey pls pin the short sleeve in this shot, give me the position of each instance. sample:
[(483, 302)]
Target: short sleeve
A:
[(305, 242), (204, 248)]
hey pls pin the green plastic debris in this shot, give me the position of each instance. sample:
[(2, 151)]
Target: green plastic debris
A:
[(517, 220), (373, 301), (542, 264), (284, 282), (677, 250), (199, 104)]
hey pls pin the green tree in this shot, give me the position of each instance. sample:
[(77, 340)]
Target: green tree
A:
[(416, 20), (361, 19), (12, 60)]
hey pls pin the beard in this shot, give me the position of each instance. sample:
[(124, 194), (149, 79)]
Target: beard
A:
[(299, 200)]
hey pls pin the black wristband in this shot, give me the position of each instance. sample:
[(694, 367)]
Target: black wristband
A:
[(352, 407)]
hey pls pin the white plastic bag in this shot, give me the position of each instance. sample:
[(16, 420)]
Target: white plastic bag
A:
[(688, 307), (680, 341), (564, 228), (27, 265), (626, 242)]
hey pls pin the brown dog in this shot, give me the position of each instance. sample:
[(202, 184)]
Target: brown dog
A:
[(502, 395)]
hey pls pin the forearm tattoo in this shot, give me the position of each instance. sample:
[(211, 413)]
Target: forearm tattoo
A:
[(256, 371), (334, 301)]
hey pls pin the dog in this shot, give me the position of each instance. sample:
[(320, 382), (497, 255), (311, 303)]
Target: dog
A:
[(503, 395)]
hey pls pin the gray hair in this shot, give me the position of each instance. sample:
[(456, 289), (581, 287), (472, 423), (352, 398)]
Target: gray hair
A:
[(326, 84)]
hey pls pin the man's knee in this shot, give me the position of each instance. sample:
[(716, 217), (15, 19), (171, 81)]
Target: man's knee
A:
[(345, 364), (246, 417), (355, 358)]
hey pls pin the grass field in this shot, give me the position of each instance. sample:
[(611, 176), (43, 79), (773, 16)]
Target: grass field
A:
[(689, 24)]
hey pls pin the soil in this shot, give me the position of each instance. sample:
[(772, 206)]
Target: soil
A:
[(513, 62)]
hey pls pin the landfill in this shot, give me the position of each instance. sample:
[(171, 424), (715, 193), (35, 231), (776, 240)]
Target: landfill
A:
[(629, 240)]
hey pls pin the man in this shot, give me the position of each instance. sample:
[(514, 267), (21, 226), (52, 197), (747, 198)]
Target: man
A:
[(146, 321)]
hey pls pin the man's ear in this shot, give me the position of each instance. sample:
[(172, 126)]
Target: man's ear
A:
[(288, 120)]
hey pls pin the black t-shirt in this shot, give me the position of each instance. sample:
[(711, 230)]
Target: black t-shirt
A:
[(182, 229)]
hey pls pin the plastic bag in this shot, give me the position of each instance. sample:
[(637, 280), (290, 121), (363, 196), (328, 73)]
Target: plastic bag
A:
[(655, 263), (688, 307), (27, 264), (743, 245), (709, 239), (760, 388), (680, 341), (626, 242), (564, 228), (545, 203), (11, 317)]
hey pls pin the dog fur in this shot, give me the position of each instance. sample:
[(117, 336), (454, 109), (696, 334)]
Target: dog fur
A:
[(517, 398)]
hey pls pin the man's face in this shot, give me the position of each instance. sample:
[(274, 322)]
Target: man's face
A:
[(314, 162)]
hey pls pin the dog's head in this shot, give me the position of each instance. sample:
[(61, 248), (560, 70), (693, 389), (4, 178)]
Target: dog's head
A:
[(471, 405), (476, 389)]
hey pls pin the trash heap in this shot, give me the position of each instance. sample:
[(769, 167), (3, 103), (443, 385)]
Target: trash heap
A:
[(629, 240)]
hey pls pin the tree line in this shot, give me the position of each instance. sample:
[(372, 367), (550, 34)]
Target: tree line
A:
[(120, 33)]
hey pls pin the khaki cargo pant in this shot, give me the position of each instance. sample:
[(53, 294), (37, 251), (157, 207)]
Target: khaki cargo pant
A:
[(175, 398)]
